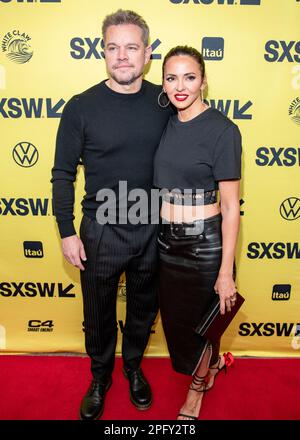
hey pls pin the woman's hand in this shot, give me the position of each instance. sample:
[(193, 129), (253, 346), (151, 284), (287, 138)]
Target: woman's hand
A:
[(225, 287)]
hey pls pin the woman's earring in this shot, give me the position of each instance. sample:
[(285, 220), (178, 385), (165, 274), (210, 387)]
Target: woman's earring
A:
[(163, 100)]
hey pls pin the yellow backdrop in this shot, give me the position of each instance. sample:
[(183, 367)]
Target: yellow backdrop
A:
[(51, 50)]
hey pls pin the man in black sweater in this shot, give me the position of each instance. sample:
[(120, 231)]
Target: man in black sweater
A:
[(114, 128)]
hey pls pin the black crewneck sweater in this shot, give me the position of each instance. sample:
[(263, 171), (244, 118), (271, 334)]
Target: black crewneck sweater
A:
[(115, 135)]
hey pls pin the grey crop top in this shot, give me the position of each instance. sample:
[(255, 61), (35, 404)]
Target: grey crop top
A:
[(199, 153)]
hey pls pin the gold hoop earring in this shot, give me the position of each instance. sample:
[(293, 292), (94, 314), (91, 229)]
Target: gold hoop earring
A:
[(166, 100)]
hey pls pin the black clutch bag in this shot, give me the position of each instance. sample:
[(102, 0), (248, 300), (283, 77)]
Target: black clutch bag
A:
[(213, 324)]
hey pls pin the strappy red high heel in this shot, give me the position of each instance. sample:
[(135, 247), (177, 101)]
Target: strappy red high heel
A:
[(229, 360)]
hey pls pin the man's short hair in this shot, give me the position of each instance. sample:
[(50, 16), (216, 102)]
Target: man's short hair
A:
[(126, 17)]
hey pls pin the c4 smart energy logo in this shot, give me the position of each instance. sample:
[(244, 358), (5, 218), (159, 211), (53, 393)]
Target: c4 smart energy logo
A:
[(294, 110), (16, 47), (25, 154), (33, 249), (36, 325), (213, 48), (290, 208)]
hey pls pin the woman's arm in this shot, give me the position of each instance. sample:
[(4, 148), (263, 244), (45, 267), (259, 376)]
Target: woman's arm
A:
[(230, 209)]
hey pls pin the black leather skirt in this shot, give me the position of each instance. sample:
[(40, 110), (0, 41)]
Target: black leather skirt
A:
[(190, 259)]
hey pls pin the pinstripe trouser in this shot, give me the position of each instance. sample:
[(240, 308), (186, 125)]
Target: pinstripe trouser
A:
[(111, 250)]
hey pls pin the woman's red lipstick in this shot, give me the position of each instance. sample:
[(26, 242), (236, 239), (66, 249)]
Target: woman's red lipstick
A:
[(181, 97)]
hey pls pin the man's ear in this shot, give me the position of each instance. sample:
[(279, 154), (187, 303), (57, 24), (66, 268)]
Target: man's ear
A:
[(148, 52)]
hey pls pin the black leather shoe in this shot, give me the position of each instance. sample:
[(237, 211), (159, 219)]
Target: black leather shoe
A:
[(92, 404), (139, 388)]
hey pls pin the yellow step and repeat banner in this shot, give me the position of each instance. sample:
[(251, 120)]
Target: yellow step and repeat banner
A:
[(51, 50)]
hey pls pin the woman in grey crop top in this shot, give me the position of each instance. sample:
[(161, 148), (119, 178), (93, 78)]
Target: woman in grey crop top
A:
[(199, 155)]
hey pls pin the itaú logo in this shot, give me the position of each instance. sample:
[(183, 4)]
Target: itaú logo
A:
[(33, 249), (281, 292)]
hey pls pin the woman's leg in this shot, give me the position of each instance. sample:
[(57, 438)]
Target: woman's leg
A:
[(192, 405), (216, 363)]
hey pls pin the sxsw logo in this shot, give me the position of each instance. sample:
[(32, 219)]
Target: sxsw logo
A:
[(30, 108), (273, 250), (219, 2), (232, 108), (33, 289), (25, 154), (33, 249), (213, 48), (35, 325), (282, 51), (23, 207), (269, 329), (87, 48), (281, 292), (282, 156)]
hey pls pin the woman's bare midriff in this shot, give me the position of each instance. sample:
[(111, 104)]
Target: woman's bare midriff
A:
[(187, 214)]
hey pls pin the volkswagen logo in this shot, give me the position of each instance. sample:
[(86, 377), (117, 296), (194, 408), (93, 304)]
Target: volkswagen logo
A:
[(25, 154), (290, 208)]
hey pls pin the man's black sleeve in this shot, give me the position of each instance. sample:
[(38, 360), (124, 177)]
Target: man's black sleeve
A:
[(69, 145)]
